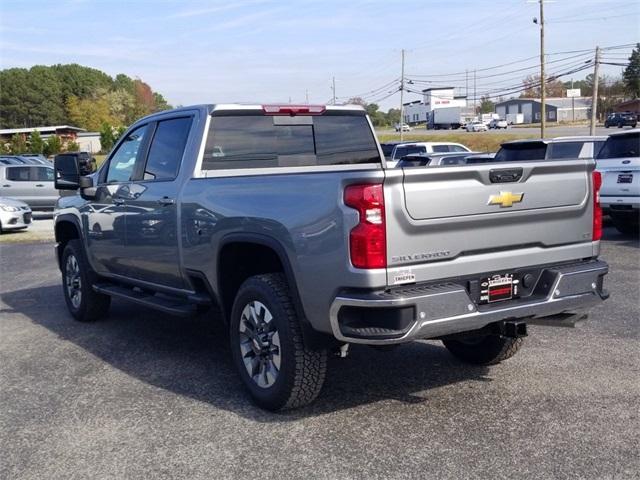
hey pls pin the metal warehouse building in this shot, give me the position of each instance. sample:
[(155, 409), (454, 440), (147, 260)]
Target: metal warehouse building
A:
[(558, 109)]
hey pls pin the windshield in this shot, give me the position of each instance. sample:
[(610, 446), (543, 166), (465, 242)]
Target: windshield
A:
[(621, 146), (406, 150)]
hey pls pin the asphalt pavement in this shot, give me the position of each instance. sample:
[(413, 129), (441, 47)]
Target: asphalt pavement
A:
[(144, 395)]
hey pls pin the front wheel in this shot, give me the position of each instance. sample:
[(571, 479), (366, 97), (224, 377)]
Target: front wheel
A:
[(483, 349), (84, 303), (275, 365)]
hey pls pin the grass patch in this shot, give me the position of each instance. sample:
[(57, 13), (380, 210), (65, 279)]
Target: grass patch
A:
[(478, 142), (99, 159)]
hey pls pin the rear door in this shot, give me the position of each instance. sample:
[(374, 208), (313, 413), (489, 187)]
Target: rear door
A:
[(448, 216), (151, 199), (17, 183)]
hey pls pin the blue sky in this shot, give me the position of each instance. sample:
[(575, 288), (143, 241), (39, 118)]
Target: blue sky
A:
[(268, 51)]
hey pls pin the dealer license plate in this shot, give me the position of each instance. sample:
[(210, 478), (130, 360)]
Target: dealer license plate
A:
[(498, 288), (625, 178)]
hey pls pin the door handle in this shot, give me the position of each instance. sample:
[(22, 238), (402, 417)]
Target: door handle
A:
[(165, 201), (118, 201), (39, 185), (6, 186)]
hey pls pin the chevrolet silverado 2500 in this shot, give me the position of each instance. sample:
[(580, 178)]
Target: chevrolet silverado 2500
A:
[(287, 219)]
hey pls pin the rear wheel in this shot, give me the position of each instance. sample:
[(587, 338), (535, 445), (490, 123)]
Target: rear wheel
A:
[(620, 125), (84, 303), (483, 349), (272, 360)]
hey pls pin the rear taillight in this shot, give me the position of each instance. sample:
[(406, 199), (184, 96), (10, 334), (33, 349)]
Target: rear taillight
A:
[(293, 110), (597, 211), (368, 239)]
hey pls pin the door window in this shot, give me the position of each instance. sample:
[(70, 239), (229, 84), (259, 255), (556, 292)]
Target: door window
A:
[(43, 174), (19, 174), (124, 159), (167, 149)]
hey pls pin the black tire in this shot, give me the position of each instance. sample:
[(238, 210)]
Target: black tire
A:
[(301, 372), (90, 305), (606, 125), (620, 125), (627, 224), (484, 349)]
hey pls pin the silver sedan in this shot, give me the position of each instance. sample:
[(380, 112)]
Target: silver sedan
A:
[(14, 214)]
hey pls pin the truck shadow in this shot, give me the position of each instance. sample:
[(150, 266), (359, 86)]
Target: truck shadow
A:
[(191, 357)]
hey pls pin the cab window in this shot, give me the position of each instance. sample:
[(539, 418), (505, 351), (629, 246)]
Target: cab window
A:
[(124, 158)]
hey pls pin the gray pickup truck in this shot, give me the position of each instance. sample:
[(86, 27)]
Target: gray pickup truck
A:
[(287, 220)]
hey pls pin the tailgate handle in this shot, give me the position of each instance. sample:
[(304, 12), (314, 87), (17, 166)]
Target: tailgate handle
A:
[(505, 175)]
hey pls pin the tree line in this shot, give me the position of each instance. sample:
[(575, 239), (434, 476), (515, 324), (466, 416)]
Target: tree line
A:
[(74, 95)]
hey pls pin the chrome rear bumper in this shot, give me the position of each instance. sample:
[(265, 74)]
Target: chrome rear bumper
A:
[(443, 309)]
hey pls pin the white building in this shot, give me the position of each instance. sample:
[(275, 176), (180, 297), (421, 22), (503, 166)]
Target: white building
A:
[(89, 142), (418, 111)]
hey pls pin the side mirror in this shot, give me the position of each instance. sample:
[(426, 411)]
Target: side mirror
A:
[(67, 172)]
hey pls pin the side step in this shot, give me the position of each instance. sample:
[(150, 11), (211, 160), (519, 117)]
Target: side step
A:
[(165, 303)]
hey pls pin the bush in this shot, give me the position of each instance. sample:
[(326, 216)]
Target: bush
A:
[(18, 144), (53, 145), (72, 147), (36, 143)]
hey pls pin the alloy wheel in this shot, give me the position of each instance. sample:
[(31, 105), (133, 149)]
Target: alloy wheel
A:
[(73, 281), (259, 344)]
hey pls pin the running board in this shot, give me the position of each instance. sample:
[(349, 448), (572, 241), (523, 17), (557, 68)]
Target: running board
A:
[(165, 303)]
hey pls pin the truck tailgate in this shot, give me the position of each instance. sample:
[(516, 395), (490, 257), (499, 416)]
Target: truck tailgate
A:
[(439, 217), (620, 177)]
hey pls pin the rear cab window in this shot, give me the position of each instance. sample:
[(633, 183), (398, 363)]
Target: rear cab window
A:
[(519, 152), (408, 149), (239, 140), (565, 150)]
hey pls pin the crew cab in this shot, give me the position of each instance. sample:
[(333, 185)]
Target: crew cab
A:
[(290, 222)]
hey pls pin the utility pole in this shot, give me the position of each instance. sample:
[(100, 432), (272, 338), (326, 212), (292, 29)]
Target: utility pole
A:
[(466, 84), (333, 89), (475, 107), (573, 104), (594, 100), (543, 93), (306, 96), (402, 96)]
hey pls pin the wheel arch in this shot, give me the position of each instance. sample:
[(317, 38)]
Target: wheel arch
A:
[(272, 257), (67, 227)]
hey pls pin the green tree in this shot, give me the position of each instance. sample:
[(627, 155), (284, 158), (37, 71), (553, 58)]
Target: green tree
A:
[(631, 74), (486, 105), (72, 146), (53, 145), (36, 144), (107, 137), (18, 144)]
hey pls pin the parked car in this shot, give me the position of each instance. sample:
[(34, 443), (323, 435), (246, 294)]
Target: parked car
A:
[(404, 127), (498, 123), (433, 159), (403, 149), (550, 149), (37, 158), (623, 119), (619, 163), (32, 184), (476, 127), (329, 251), (14, 214), (387, 149)]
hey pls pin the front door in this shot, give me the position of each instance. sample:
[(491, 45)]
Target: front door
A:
[(104, 216), (152, 210)]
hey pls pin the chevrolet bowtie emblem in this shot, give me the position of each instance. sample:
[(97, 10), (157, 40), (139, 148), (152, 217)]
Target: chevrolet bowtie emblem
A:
[(506, 199)]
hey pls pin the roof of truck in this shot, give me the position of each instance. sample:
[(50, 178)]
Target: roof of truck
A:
[(547, 141)]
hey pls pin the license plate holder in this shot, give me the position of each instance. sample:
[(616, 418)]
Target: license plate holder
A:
[(499, 288), (625, 178)]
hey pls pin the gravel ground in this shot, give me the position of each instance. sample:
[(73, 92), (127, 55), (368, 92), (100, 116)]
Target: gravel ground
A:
[(144, 395)]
